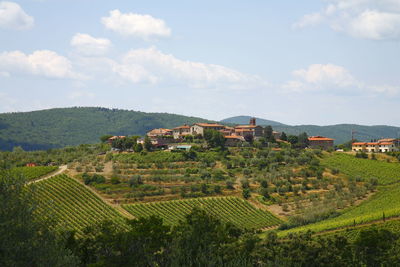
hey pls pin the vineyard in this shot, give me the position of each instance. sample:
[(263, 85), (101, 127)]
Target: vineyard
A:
[(385, 201), (229, 209), (32, 173), (71, 205), (385, 172)]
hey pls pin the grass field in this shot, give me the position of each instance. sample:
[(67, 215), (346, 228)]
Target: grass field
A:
[(71, 205), (229, 209), (386, 200), (32, 173), (385, 172)]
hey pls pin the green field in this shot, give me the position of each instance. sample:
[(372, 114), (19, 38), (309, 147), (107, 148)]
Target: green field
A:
[(386, 200), (32, 173), (385, 172), (71, 205), (229, 209)]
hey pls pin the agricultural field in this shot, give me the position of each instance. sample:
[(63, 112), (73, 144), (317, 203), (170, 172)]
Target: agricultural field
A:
[(279, 176), (71, 205), (32, 173), (229, 209), (384, 204), (364, 169)]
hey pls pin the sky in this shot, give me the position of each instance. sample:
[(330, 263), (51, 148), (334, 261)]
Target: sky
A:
[(318, 62)]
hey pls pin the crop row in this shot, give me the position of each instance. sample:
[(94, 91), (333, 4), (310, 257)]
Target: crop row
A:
[(32, 173), (228, 209), (71, 205), (385, 172), (384, 204)]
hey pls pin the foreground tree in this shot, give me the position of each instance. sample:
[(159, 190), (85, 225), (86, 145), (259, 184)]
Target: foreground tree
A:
[(25, 239)]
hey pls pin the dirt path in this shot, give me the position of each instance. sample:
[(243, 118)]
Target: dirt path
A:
[(60, 170)]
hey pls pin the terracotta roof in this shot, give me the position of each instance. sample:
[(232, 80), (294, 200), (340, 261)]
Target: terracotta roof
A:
[(359, 144), (160, 131), (116, 137), (233, 137), (182, 127), (387, 140), (243, 130), (209, 124), (386, 143), (245, 126), (319, 138)]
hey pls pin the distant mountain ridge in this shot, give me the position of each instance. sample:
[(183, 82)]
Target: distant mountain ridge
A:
[(53, 128), (340, 132), (246, 119)]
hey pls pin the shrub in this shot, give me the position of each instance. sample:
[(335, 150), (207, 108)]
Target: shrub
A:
[(115, 180)]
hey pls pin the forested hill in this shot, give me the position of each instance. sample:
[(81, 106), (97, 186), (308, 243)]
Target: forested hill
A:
[(81, 125), (340, 132), (245, 120)]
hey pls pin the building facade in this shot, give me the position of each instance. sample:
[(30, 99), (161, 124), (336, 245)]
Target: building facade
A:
[(381, 146), (199, 128), (181, 131), (320, 142)]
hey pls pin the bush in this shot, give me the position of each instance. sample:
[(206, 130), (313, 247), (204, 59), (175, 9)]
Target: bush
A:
[(246, 193), (115, 180), (230, 185)]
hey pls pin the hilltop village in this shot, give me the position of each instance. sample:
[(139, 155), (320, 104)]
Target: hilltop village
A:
[(180, 137), (239, 135)]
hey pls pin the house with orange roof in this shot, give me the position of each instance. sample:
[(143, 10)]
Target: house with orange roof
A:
[(111, 139), (159, 132), (380, 146), (320, 142), (199, 128), (233, 140), (181, 131), (250, 129)]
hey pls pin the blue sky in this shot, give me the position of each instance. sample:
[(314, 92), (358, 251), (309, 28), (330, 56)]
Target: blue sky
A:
[(299, 62)]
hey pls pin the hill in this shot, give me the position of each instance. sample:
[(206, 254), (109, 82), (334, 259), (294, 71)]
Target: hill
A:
[(245, 120), (340, 132), (61, 127)]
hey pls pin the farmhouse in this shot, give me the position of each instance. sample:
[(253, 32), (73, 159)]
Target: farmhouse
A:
[(199, 128), (111, 139), (251, 129), (381, 146), (320, 142), (181, 131), (233, 140), (160, 132)]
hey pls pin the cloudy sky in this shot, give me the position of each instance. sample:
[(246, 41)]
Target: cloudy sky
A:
[(298, 62)]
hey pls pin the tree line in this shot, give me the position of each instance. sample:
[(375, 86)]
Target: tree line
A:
[(199, 240)]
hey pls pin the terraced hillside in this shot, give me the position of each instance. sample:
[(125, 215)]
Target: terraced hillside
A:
[(228, 209), (386, 202), (365, 169), (72, 205)]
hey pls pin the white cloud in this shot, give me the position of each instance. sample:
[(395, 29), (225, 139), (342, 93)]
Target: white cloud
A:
[(88, 45), (320, 74), (137, 25), (152, 66), (334, 80), (308, 20), (42, 63), (12, 16), (367, 19), (375, 25)]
